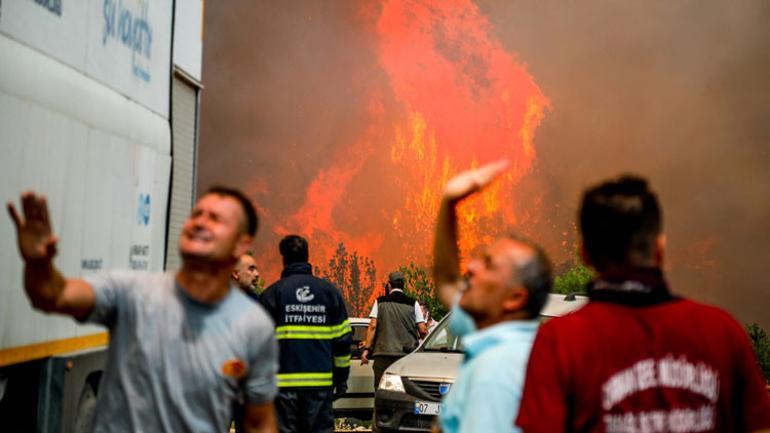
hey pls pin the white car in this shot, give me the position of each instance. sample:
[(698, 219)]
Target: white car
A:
[(358, 401)]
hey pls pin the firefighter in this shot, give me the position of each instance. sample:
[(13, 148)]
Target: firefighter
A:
[(314, 336)]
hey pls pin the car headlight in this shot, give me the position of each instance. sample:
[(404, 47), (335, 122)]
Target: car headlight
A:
[(391, 382)]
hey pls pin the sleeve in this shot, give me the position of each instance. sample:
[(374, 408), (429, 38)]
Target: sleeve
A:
[(262, 381), (373, 314), (418, 316), (343, 339), (753, 399), (111, 294), (545, 391)]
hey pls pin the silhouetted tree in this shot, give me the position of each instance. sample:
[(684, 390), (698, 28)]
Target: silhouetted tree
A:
[(421, 286), (355, 276), (761, 343)]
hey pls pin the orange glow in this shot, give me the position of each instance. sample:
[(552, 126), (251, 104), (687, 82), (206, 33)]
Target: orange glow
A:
[(467, 102), (455, 99)]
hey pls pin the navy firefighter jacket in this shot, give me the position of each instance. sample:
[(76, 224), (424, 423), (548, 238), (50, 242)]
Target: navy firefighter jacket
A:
[(312, 329)]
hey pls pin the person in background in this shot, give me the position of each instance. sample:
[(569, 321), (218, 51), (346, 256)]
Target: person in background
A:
[(246, 275), (395, 328), (184, 347), (637, 358), (502, 293), (430, 324), (314, 335)]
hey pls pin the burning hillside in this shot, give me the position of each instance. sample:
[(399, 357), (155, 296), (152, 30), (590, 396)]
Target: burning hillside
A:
[(458, 100)]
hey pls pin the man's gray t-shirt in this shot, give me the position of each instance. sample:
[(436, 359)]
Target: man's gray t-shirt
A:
[(175, 364)]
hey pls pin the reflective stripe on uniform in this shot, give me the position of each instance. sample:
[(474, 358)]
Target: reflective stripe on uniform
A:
[(342, 361), (288, 380), (312, 332)]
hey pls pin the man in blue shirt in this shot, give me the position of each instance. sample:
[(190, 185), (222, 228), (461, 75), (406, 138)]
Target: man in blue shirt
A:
[(504, 291)]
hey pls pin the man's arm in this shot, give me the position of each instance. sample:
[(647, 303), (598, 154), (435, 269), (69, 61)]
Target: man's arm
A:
[(369, 340), (446, 254), (47, 289), (419, 318), (422, 329), (260, 418)]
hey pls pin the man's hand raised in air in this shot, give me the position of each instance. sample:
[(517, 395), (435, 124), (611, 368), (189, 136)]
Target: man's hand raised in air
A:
[(46, 287), (35, 237), (470, 181), (446, 255)]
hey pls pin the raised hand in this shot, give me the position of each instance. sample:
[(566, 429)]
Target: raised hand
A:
[(446, 253), (468, 182), (34, 234)]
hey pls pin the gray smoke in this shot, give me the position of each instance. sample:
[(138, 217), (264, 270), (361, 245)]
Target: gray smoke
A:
[(675, 91)]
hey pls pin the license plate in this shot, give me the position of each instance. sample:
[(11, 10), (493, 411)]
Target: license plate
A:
[(427, 408)]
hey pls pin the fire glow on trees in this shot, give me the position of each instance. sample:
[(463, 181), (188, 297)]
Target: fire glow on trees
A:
[(459, 99)]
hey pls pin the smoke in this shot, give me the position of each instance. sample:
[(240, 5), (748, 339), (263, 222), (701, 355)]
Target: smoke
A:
[(678, 92), (299, 102)]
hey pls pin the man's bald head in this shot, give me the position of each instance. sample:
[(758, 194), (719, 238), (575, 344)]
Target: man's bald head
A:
[(245, 273)]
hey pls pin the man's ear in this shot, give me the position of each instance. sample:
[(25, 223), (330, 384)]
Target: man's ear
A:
[(516, 300)]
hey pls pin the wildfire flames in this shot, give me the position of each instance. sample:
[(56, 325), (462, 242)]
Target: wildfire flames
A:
[(456, 99)]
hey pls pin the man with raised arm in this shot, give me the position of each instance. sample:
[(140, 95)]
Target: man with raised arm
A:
[(505, 289), (184, 346), (637, 358)]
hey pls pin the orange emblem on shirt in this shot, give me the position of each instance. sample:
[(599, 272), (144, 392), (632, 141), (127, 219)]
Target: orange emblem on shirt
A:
[(234, 368)]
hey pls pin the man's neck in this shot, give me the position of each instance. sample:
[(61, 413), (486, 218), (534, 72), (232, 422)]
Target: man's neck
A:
[(207, 283), (244, 289), (508, 317)]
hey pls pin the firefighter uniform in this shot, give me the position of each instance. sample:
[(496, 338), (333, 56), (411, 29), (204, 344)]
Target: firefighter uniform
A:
[(314, 339)]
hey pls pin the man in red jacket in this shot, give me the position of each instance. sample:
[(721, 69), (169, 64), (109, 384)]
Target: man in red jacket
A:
[(637, 358)]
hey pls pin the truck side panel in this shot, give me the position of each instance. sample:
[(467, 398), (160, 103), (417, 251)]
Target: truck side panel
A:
[(103, 161)]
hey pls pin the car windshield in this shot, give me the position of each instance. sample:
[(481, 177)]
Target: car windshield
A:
[(441, 340)]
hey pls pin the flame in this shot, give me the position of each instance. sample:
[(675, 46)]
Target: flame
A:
[(454, 99), (323, 196), (467, 101)]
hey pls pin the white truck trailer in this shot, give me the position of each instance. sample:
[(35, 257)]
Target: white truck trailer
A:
[(98, 111)]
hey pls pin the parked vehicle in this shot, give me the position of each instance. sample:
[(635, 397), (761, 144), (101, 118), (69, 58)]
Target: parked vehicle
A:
[(410, 392), (358, 402), (99, 112)]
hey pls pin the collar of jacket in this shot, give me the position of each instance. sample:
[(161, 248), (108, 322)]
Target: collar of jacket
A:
[(636, 288), (300, 268)]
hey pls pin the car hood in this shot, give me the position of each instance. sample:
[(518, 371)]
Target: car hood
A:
[(437, 366)]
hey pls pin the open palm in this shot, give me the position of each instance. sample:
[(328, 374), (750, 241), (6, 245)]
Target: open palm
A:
[(35, 237), (470, 181)]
